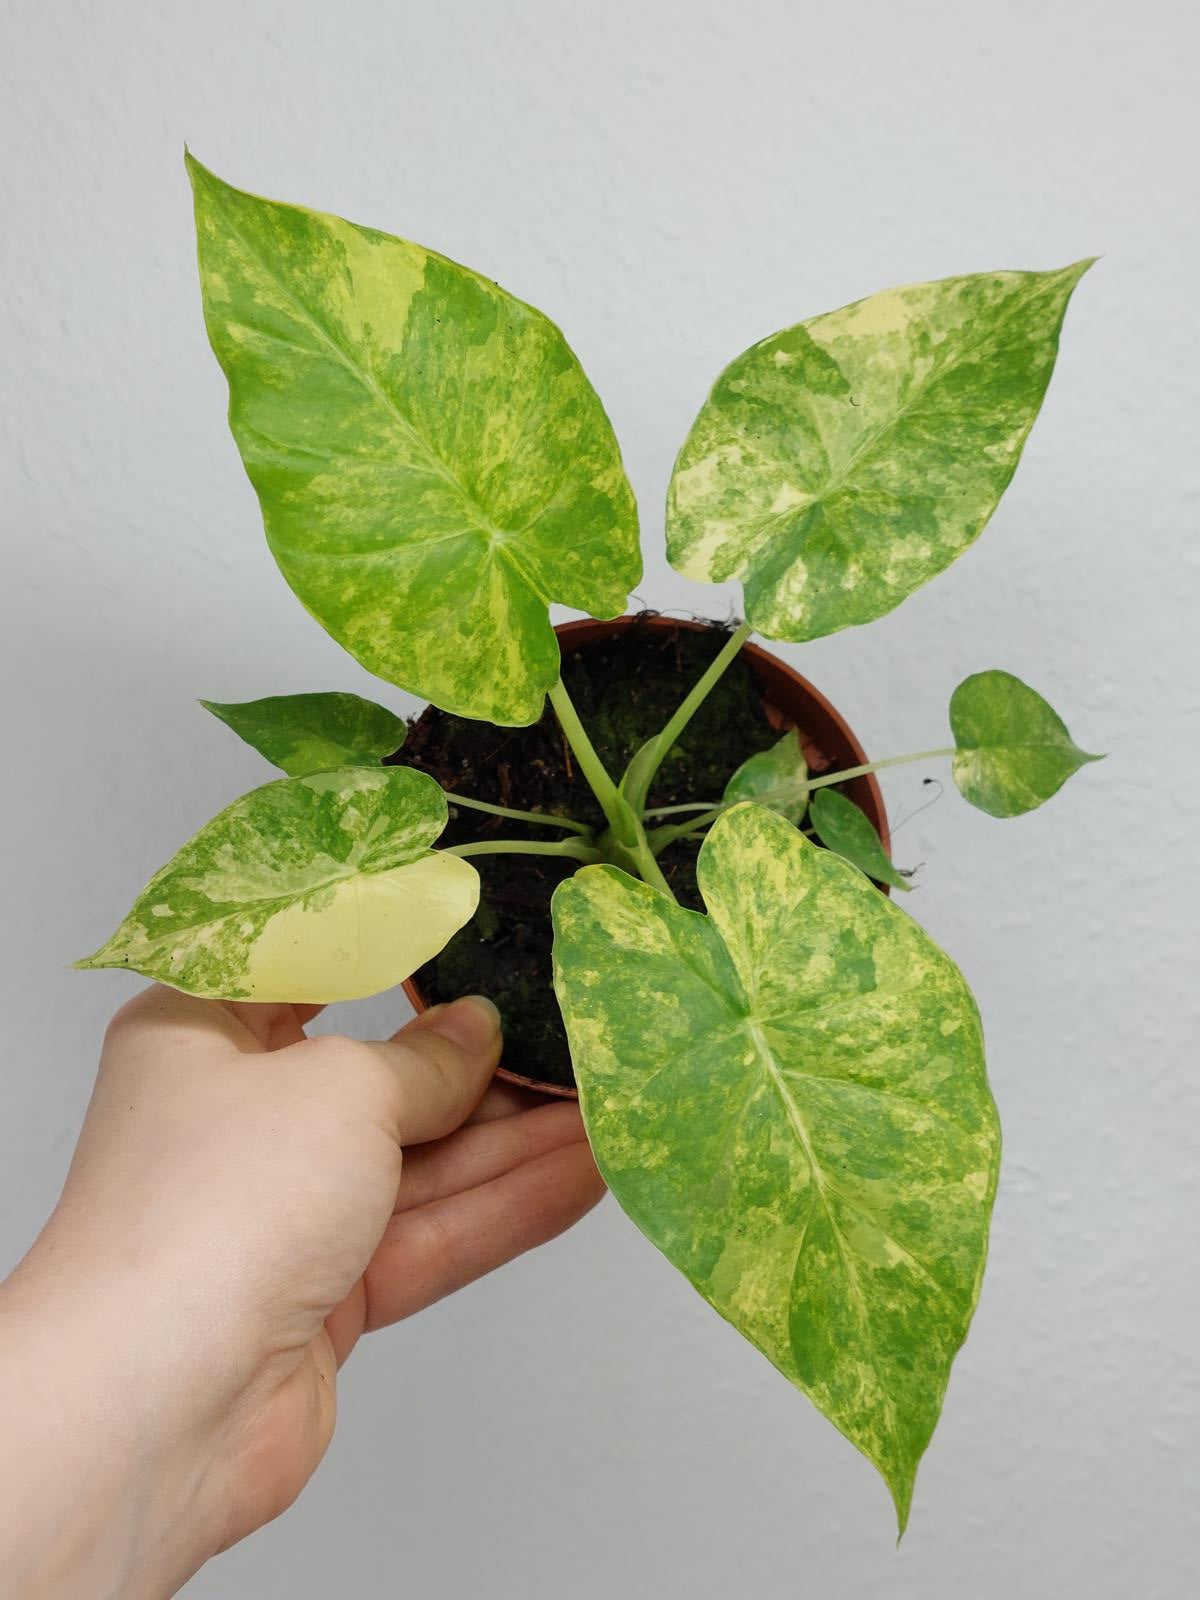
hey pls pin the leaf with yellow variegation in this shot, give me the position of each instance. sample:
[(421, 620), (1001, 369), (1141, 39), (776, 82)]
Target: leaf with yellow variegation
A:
[(842, 463), (313, 889), (788, 1097), (434, 468)]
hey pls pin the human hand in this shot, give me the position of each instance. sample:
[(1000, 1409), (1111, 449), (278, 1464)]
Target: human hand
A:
[(237, 1215)]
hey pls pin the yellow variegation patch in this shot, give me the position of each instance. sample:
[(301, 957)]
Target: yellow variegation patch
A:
[(316, 889), (788, 1097)]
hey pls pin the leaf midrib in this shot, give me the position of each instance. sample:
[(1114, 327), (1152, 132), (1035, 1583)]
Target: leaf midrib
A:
[(1026, 749), (934, 376), (767, 1056), (367, 378), (866, 445)]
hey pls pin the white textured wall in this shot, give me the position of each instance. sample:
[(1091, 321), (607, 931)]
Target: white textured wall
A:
[(670, 182)]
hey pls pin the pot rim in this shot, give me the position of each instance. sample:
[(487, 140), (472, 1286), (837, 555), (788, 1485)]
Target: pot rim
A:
[(787, 684)]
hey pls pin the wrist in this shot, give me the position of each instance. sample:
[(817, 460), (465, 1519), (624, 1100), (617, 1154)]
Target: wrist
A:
[(110, 1465)]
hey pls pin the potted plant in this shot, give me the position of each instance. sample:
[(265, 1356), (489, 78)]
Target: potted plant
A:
[(781, 1074)]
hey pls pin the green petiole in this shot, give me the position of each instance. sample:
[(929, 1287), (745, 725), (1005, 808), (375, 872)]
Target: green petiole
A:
[(623, 821), (576, 849), (637, 783), (660, 838), (539, 819)]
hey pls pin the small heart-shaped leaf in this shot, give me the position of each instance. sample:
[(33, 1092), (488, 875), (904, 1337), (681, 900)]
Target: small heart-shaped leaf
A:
[(842, 827), (774, 777), (1013, 750), (311, 732)]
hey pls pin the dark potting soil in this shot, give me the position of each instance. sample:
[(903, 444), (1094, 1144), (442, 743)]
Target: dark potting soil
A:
[(624, 689)]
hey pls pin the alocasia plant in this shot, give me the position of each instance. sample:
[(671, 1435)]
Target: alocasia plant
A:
[(787, 1094)]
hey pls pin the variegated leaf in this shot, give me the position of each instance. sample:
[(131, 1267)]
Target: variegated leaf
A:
[(311, 732), (1013, 751), (842, 463), (788, 1097), (842, 827), (433, 466), (318, 888), (774, 777)]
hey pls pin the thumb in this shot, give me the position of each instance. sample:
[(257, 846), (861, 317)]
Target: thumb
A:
[(443, 1062)]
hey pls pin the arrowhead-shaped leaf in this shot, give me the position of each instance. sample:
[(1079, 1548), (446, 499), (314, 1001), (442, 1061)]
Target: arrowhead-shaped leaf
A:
[(842, 827), (433, 466), (774, 777), (318, 888), (1013, 751), (788, 1097), (842, 463), (311, 732)]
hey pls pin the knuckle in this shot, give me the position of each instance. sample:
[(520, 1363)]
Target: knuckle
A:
[(331, 1053), (348, 1064)]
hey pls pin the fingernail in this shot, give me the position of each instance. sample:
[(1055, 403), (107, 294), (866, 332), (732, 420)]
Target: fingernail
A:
[(472, 1023)]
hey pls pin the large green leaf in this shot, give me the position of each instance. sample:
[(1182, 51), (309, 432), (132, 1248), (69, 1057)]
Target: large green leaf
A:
[(433, 466), (1013, 751), (773, 777), (842, 827), (311, 732), (788, 1097), (318, 888), (842, 463)]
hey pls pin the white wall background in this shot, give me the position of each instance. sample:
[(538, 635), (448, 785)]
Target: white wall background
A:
[(670, 182)]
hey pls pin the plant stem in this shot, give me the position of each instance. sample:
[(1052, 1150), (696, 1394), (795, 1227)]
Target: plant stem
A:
[(540, 819), (612, 802), (576, 849), (660, 838), (623, 822), (878, 766), (677, 811), (639, 787), (648, 866)]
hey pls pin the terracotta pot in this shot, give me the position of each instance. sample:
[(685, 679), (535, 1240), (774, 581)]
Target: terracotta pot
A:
[(789, 701)]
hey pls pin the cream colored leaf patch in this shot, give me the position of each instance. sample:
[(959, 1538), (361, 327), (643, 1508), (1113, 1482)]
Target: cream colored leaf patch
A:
[(842, 463), (434, 468), (318, 888), (788, 1096)]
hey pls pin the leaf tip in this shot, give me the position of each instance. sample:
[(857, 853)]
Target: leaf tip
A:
[(92, 963), (901, 1490), (1074, 271), (204, 181)]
